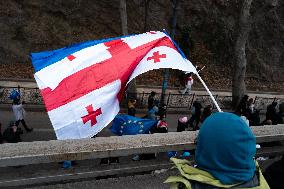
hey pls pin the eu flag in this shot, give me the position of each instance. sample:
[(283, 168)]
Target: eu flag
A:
[(129, 125)]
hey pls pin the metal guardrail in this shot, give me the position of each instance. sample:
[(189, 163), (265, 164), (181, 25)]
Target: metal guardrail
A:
[(29, 95), (180, 101), (173, 101)]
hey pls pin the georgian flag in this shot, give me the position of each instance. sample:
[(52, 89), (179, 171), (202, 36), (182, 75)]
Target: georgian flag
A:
[(81, 85)]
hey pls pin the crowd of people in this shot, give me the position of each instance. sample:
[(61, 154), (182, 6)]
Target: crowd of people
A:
[(221, 168), (157, 111), (246, 109)]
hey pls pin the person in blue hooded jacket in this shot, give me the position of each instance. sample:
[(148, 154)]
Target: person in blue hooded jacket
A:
[(152, 114), (224, 157)]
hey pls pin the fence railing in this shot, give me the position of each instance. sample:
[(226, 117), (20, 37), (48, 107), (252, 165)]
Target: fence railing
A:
[(29, 95), (28, 153), (180, 101), (173, 101)]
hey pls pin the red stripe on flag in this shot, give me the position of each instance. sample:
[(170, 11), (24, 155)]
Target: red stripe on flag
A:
[(120, 66)]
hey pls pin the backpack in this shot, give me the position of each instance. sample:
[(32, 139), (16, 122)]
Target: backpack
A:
[(14, 94)]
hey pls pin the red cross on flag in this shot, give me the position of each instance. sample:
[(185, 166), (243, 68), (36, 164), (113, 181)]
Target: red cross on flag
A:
[(81, 84)]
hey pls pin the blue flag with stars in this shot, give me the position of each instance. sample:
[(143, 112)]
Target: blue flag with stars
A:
[(129, 125)]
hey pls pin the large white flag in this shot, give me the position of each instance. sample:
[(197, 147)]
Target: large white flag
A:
[(82, 84)]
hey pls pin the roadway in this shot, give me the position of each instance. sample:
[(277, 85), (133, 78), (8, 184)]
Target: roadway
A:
[(146, 181), (43, 129)]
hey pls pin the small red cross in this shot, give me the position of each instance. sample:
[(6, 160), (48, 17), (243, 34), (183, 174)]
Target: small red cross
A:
[(71, 57), (92, 115), (156, 57)]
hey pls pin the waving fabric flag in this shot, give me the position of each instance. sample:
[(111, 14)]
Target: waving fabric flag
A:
[(129, 125), (81, 85)]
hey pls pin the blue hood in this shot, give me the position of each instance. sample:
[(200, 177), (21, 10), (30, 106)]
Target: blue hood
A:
[(225, 148)]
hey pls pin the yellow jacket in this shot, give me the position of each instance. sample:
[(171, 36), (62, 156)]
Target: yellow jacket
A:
[(189, 173)]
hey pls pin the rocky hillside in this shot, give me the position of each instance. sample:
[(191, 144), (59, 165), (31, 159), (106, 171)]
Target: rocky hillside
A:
[(206, 31)]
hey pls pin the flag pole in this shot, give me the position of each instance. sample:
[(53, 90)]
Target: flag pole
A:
[(209, 92)]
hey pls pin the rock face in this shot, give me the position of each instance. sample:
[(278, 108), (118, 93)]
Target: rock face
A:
[(37, 25)]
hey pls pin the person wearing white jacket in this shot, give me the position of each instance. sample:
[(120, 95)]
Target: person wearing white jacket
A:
[(19, 112), (188, 84)]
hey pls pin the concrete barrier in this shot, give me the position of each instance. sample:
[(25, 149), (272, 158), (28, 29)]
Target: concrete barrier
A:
[(26, 153), (36, 163)]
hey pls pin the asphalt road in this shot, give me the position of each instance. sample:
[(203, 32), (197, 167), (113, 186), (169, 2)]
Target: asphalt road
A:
[(147, 181), (43, 129)]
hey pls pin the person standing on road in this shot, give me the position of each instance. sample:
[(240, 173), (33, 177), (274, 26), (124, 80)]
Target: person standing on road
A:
[(12, 133), (188, 83), (162, 112), (19, 112), (182, 124), (152, 114), (195, 115), (151, 99), (271, 114), (243, 105), (252, 114), (206, 112), (131, 107)]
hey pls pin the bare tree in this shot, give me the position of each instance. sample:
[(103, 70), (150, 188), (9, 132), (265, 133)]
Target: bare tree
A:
[(240, 61), (146, 2), (238, 84), (123, 15)]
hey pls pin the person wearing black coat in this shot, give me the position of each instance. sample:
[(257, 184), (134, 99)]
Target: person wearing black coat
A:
[(151, 99), (243, 105), (12, 133), (206, 112), (182, 124), (271, 114), (196, 115)]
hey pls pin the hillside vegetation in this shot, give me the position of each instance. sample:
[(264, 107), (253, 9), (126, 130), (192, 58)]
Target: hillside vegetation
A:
[(205, 32)]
